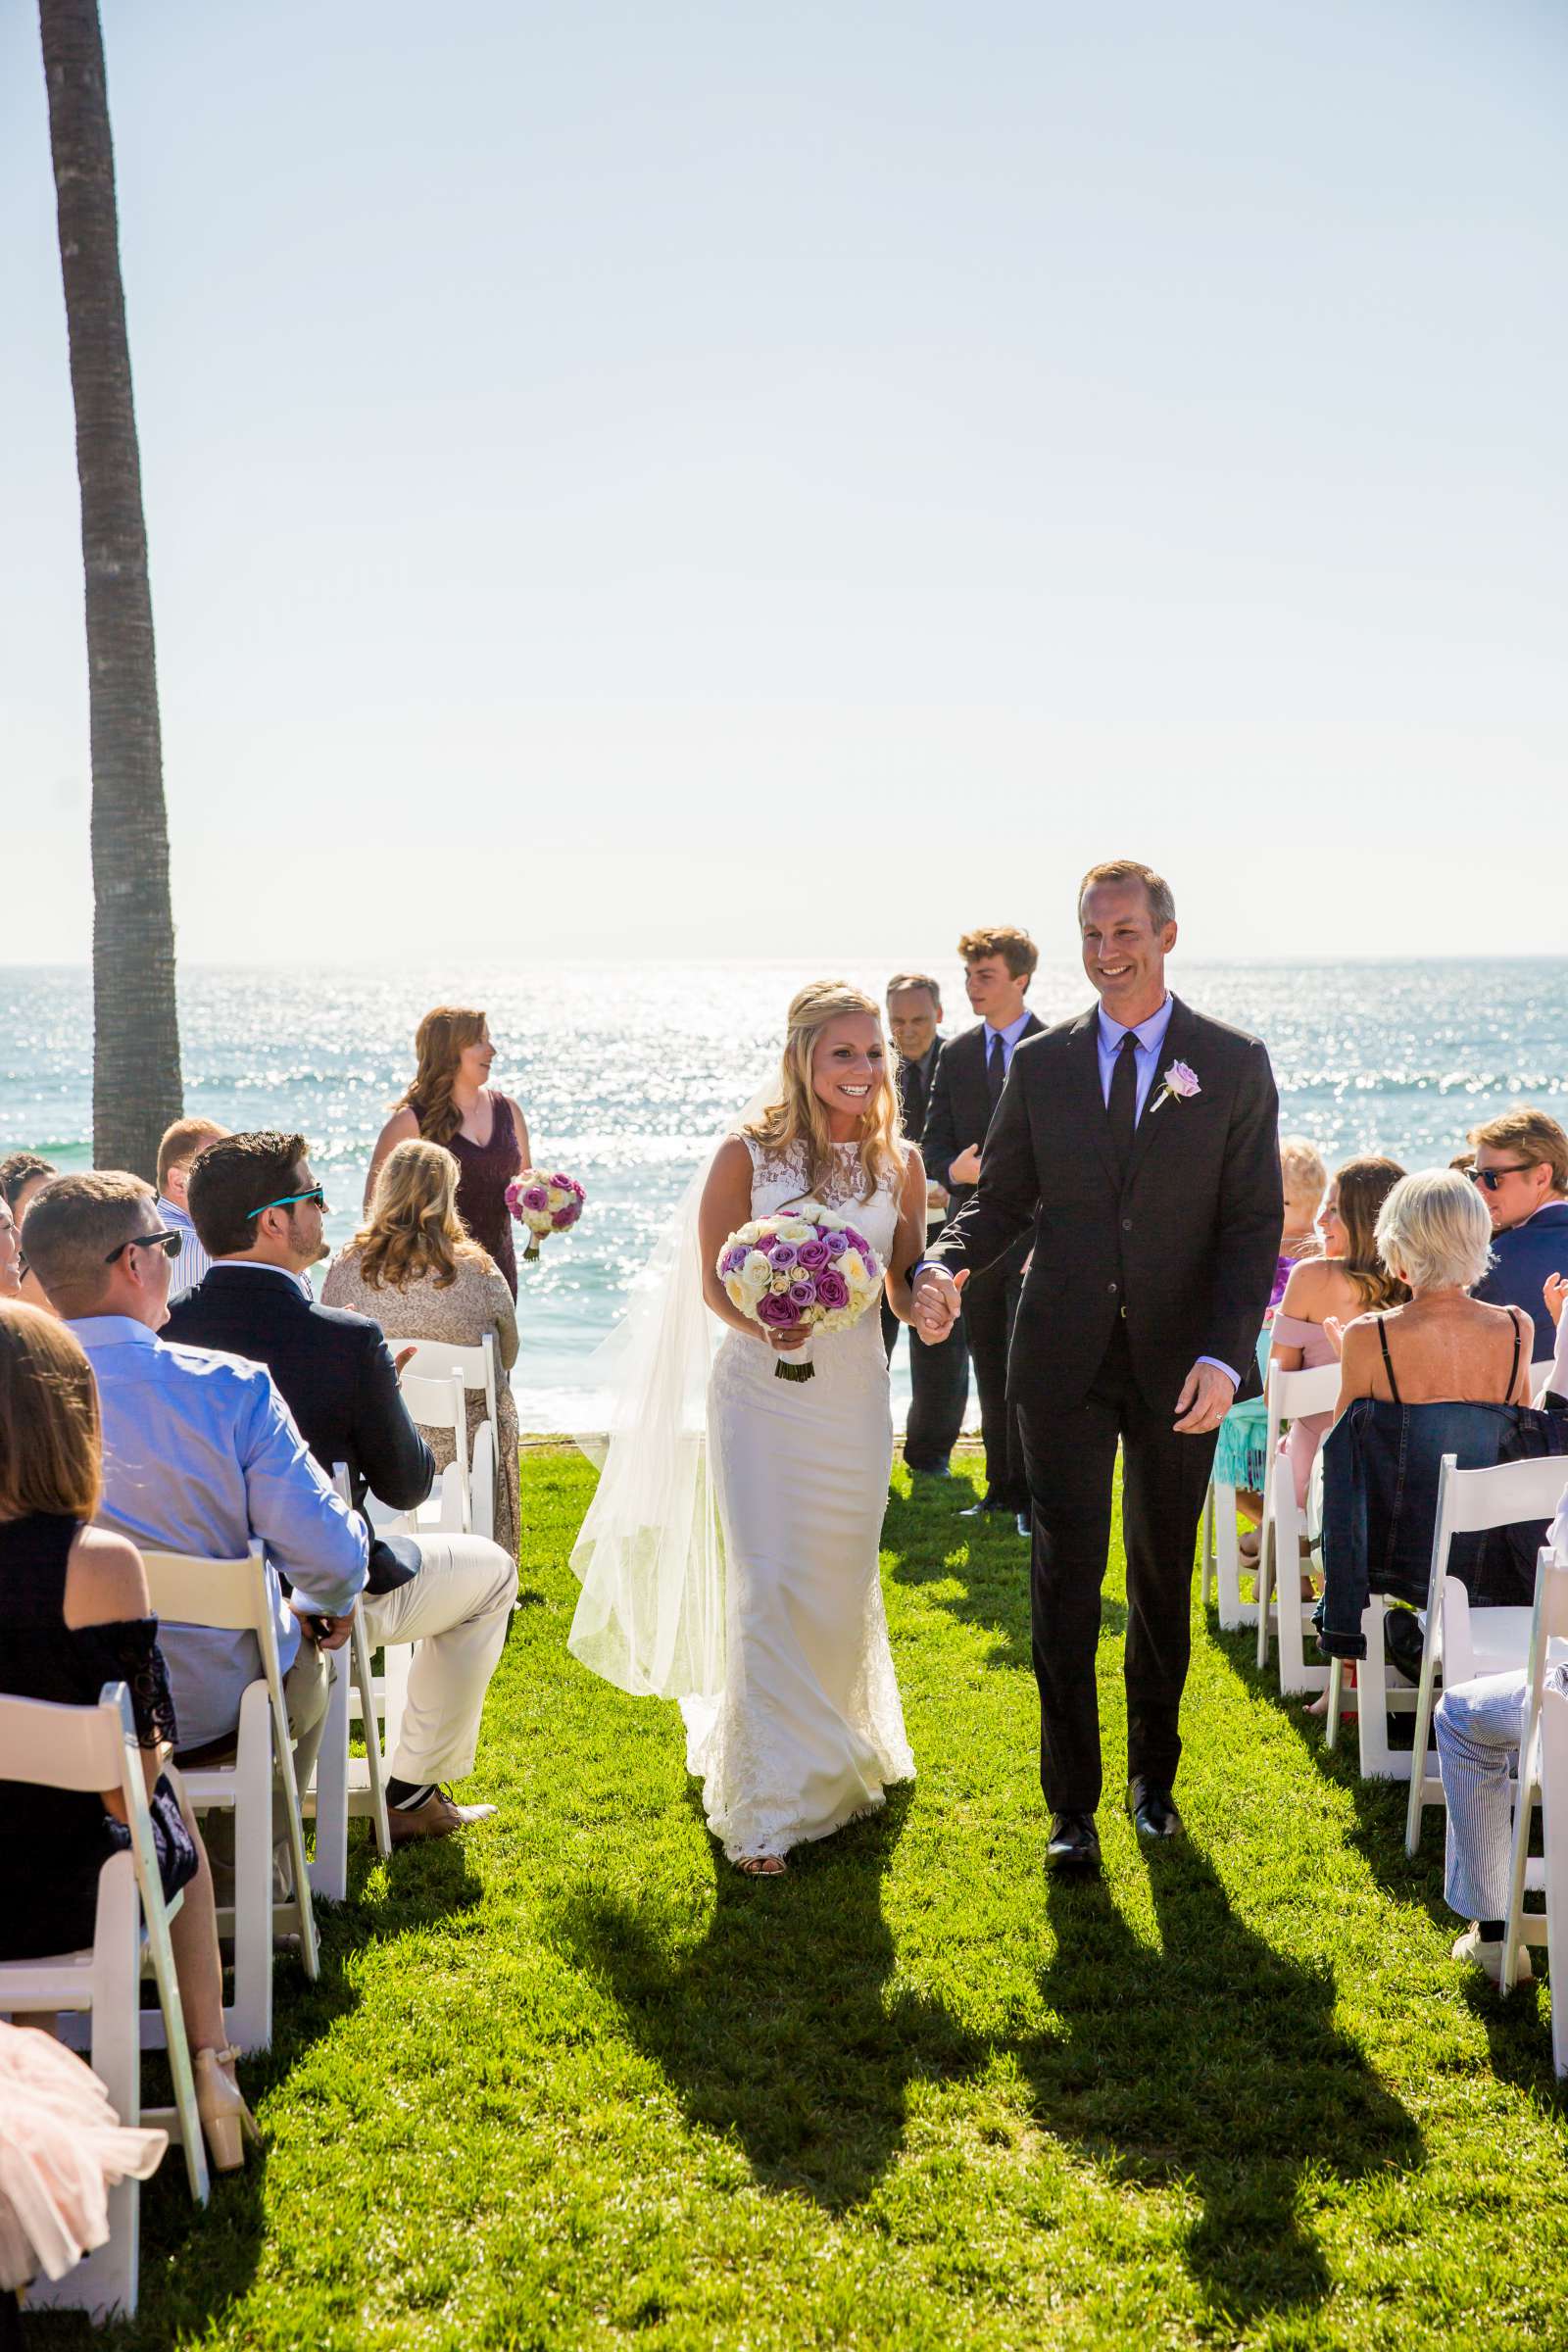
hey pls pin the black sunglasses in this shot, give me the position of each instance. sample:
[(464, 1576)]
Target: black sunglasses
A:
[(1492, 1177), (168, 1243)]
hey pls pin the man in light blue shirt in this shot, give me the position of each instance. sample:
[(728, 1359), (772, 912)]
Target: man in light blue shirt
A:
[(201, 1455), (180, 1147)]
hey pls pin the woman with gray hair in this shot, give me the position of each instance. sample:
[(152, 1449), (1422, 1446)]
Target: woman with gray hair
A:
[(1442, 1347)]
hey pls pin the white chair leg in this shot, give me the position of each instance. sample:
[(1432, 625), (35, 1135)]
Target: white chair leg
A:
[(1554, 1840), (1206, 1556), (364, 1683), (250, 2021), (329, 1871), (1234, 1612), (110, 2278), (1331, 1721)]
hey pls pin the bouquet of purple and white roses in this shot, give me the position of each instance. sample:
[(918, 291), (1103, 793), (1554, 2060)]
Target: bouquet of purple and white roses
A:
[(805, 1265), (545, 1204)]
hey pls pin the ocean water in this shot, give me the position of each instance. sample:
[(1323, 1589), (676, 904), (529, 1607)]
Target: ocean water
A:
[(628, 1071)]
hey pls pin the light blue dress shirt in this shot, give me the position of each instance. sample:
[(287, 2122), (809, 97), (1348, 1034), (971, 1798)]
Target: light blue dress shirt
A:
[(1010, 1038), (201, 1455), (1151, 1036)]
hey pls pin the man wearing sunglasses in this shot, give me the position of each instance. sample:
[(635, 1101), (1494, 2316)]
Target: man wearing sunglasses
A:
[(259, 1215), (200, 1457), (1521, 1172)]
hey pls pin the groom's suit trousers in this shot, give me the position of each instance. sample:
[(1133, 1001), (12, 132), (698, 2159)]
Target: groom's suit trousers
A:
[(1071, 1462)]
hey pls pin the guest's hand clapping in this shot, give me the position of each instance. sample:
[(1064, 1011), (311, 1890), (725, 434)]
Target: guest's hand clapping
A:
[(1334, 1333), (1554, 1290), (966, 1169)]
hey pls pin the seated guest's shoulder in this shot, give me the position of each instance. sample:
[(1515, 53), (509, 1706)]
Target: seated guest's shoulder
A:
[(106, 1582), (220, 1373), (1312, 1286)]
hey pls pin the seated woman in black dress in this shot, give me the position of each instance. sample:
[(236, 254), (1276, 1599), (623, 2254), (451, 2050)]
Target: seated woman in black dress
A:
[(74, 1604)]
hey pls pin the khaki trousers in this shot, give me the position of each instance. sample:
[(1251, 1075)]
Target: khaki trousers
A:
[(454, 1613)]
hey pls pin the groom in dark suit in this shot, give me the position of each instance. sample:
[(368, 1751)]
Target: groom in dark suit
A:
[(1138, 1145)]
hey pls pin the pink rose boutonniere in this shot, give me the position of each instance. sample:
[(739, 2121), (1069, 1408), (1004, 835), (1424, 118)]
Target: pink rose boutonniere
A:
[(1181, 1082)]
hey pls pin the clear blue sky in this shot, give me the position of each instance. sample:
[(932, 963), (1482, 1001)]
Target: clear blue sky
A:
[(586, 446)]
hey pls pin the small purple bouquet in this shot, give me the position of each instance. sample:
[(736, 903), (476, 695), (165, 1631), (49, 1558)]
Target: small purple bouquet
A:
[(544, 1205), (805, 1265)]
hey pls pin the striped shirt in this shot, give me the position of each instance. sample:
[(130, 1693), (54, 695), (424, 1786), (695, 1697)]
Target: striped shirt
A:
[(193, 1262)]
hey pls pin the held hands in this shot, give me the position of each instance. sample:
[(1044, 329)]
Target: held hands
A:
[(1204, 1400), (966, 1169), (1554, 1290), (938, 1301)]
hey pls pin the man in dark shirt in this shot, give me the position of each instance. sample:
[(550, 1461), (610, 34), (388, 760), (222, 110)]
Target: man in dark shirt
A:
[(259, 1213), (939, 1390)]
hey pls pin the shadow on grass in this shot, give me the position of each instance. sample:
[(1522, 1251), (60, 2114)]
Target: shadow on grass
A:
[(1516, 2029), (1212, 2063), (196, 2262), (927, 1542), (775, 2030)]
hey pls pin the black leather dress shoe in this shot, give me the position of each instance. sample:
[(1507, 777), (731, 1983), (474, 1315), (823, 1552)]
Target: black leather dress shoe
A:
[(1074, 1842), (1404, 1641), (1154, 1810)]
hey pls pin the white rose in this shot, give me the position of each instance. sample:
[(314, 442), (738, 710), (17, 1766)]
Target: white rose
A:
[(755, 1272), (750, 1232), (739, 1296), (831, 1224), (794, 1229), (853, 1267), (778, 1284)]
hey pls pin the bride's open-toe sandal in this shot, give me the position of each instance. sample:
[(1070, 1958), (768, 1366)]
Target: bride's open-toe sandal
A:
[(761, 1866)]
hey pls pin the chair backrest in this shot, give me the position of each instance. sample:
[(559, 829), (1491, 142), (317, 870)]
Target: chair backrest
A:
[(437, 1401), (234, 1595), (54, 1746), (476, 1368), (1314, 1388), (1469, 1501), (1541, 1377)]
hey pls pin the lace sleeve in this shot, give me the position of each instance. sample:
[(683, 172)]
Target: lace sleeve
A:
[(127, 1652)]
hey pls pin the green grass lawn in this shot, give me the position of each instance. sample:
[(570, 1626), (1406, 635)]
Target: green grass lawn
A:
[(570, 2082)]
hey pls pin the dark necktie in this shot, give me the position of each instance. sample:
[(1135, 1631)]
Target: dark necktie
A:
[(1123, 1104), (996, 1068)]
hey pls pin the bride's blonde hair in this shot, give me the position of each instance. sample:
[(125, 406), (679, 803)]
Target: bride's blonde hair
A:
[(799, 1118)]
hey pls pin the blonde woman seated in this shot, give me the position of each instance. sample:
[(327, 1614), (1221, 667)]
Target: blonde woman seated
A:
[(1442, 1346), (414, 1269)]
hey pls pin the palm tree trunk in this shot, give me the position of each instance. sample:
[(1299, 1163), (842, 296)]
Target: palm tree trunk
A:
[(136, 1078)]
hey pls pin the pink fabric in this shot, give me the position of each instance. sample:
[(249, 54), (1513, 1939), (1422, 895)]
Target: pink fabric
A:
[(1305, 1436)]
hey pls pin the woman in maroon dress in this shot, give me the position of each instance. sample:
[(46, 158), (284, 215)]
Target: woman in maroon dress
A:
[(451, 1102)]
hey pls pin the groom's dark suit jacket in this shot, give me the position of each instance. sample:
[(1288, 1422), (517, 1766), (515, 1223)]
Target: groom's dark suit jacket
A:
[(1185, 1240)]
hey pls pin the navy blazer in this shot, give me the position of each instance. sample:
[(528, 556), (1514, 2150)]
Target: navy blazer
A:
[(335, 1373), (1521, 1259)]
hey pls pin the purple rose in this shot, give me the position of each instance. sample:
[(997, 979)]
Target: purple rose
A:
[(803, 1294), (832, 1291), (777, 1310), (857, 1241), (813, 1256), (564, 1182), (835, 1244), (565, 1216), (733, 1259), (781, 1256), (536, 1196)]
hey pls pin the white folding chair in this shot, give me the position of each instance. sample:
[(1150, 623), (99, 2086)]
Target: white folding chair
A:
[(1548, 1630), (1554, 1819), (1470, 1641), (91, 1750), (1375, 1699), (477, 1369), (437, 1403), (346, 1784), (237, 1595), (1314, 1390)]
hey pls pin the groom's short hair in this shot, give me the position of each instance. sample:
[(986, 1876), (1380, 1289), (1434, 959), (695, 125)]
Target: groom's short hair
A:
[(1161, 900), (1016, 948)]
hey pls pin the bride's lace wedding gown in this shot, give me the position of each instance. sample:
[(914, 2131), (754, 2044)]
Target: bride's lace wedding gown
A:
[(809, 1731)]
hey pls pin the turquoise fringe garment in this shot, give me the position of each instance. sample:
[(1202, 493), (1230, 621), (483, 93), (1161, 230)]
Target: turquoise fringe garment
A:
[(1240, 1453)]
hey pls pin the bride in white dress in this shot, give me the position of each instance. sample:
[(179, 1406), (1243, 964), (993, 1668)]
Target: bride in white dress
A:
[(730, 1557)]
